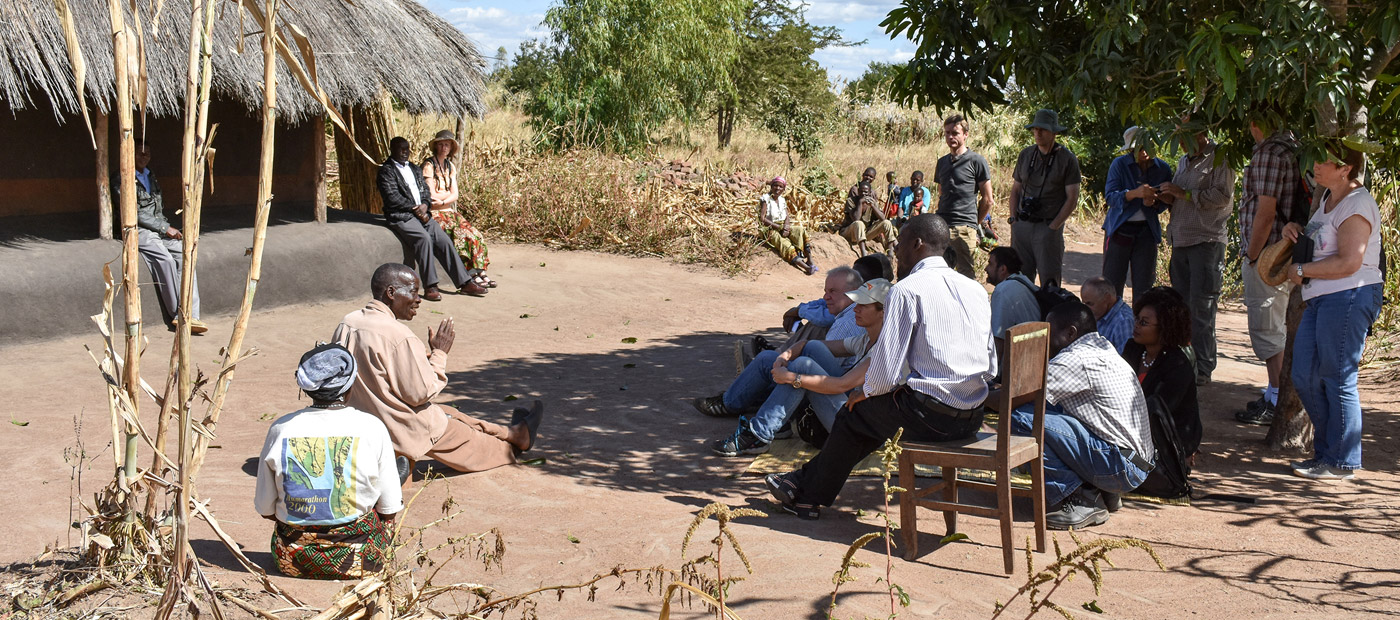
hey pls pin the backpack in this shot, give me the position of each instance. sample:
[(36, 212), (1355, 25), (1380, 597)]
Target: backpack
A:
[(1049, 296), (1170, 479)]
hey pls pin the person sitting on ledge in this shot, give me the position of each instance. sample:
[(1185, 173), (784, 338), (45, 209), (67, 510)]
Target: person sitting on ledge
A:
[(326, 476), (786, 238), (407, 201), (928, 371), (1098, 442), (399, 377), (801, 373)]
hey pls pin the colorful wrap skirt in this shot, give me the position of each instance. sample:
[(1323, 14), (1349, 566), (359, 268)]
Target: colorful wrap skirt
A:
[(347, 551), (470, 244)]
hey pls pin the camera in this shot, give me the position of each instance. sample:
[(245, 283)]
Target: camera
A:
[(1028, 207)]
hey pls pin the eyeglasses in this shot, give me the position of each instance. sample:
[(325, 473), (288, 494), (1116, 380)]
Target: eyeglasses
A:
[(1144, 323)]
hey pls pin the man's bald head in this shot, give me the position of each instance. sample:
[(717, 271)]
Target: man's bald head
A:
[(1099, 294), (840, 281), (921, 237), (390, 274)]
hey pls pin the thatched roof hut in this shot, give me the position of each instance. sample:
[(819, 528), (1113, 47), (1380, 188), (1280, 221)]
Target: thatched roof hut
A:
[(363, 49)]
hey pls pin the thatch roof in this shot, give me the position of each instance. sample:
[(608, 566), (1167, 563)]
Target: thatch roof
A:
[(394, 45)]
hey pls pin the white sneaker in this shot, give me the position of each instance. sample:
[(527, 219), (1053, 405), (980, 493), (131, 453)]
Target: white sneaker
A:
[(1325, 472)]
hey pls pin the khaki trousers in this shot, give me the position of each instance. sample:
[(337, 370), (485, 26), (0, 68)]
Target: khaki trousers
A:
[(787, 246), (471, 445), (966, 242), (858, 232)]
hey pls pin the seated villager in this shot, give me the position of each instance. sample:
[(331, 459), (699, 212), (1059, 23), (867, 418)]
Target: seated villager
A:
[(399, 377), (864, 220), (440, 172), (1098, 443), (1158, 356), (914, 200), (805, 372), (779, 231), (754, 383), (928, 371), (1113, 318), (1013, 299), (406, 199), (327, 477), (161, 245)]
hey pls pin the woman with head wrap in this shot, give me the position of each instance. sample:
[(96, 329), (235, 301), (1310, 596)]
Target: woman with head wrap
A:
[(789, 239), (441, 174), (327, 476)]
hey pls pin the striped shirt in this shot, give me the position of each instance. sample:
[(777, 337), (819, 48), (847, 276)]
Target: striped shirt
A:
[(1097, 387), (938, 323)]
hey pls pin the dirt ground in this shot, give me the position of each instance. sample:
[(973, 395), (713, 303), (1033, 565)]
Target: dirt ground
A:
[(627, 467)]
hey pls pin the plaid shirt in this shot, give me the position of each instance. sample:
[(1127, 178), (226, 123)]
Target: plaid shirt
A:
[(1095, 386), (1272, 171)]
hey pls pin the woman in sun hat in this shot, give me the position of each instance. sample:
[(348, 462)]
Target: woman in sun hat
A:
[(439, 171), (1342, 286)]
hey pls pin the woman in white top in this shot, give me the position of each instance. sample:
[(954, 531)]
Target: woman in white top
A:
[(441, 175), (789, 239), (328, 478), (1342, 287)]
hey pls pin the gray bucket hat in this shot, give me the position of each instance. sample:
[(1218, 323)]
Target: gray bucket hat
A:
[(1048, 120)]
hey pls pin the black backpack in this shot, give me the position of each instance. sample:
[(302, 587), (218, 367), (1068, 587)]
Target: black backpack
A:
[(1049, 296), (1170, 479)]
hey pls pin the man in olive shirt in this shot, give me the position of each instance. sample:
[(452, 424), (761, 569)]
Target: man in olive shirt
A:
[(961, 175), (1044, 191)]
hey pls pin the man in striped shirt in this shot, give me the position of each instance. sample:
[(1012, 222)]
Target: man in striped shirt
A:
[(928, 371)]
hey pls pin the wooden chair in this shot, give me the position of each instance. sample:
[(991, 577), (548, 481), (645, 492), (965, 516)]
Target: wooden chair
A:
[(1023, 381)]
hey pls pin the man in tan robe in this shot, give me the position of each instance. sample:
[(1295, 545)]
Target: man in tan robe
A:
[(399, 377)]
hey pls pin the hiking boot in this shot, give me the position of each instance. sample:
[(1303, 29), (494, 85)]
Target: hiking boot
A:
[(1083, 508), (743, 441), (1112, 501), (1263, 415), (713, 406), (1322, 471)]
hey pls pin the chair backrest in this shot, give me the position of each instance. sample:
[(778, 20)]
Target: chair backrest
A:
[(1023, 376)]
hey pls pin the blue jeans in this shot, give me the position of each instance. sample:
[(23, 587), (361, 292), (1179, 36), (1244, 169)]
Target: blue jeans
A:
[(1074, 456), (783, 400), (1326, 354)]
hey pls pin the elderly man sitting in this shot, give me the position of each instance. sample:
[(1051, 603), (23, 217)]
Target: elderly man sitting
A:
[(1098, 442), (326, 476), (1113, 318), (399, 378), (755, 382)]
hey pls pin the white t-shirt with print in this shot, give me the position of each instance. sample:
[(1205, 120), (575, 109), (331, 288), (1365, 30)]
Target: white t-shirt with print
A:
[(327, 467), (1322, 229)]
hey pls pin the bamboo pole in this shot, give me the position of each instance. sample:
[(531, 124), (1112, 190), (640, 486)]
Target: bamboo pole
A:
[(104, 179), (264, 205)]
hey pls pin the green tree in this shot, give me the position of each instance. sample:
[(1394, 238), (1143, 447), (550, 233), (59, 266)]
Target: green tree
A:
[(775, 52), (622, 68), (796, 124), (533, 64), (1320, 67), (873, 85)]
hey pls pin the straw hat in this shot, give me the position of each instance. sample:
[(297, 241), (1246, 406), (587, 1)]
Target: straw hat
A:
[(444, 136), (1274, 262)]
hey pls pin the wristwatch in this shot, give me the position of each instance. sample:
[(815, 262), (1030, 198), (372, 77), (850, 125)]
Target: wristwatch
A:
[(797, 381), (1299, 268)]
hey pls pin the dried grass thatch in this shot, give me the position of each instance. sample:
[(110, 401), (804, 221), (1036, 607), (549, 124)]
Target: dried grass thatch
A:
[(361, 49)]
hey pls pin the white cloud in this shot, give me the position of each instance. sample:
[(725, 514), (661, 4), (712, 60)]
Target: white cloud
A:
[(826, 12), (848, 63)]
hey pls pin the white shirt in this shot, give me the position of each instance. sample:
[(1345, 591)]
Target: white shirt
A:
[(1322, 229), (939, 323), (406, 171), (327, 467), (775, 209)]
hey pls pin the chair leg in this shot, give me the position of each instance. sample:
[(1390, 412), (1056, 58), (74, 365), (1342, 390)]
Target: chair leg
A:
[(1008, 550), (1038, 501), (950, 494), (908, 511)]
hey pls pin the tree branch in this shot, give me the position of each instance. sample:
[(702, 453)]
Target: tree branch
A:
[(1379, 63)]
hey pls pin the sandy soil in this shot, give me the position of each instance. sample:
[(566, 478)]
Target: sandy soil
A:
[(627, 465)]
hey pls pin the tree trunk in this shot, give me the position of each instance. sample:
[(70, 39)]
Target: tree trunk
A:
[(372, 129), (1292, 430), (724, 124), (318, 153), (104, 179)]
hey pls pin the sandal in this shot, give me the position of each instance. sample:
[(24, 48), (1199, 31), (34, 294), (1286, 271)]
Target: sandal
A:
[(485, 280)]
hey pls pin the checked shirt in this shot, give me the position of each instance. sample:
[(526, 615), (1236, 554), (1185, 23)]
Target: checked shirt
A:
[(1272, 171), (1095, 386)]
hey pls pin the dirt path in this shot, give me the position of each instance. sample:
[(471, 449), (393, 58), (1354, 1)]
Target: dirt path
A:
[(627, 466)]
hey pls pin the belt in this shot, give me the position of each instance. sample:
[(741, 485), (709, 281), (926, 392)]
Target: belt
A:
[(934, 405), (1136, 459), (1034, 220)]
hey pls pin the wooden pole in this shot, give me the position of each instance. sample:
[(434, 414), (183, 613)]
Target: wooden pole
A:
[(318, 156), (131, 260), (104, 179), (264, 203)]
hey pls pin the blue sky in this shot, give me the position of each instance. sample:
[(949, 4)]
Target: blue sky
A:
[(495, 23)]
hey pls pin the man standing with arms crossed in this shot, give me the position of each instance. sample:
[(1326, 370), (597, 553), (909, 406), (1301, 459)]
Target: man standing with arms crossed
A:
[(1270, 182), (1044, 192), (961, 175)]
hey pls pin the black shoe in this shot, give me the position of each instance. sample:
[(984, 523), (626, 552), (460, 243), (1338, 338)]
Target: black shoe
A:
[(1112, 501), (1083, 508), (742, 441), (1262, 416), (806, 512), (783, 487), (713, 406), (404, 472), (785, 432), (761, 344), (531, 419)]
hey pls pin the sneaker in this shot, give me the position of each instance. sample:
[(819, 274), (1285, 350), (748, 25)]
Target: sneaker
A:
[(1304, 465), (1261, 416), (783, 487), (806, 512), (713, 406), (1322, 471), (743, 441), (1083, 508), (785, 432)]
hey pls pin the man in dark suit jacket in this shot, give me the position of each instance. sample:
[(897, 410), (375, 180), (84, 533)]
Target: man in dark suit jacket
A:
[(406, 198)]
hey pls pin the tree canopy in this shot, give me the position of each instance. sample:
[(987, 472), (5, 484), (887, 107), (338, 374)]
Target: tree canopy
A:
[(1318, 67), (873, 84)]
